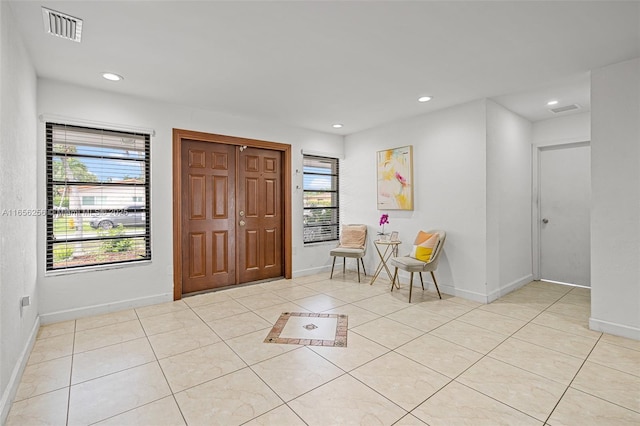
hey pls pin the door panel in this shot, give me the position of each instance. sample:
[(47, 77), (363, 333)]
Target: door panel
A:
[(251, 244), (221, 251), (197, 185), (196, 159), (198, 254), (220, 197), (565, 194), (220, 160), (208, 225), (251, 197), (270, 246), (270, 209)]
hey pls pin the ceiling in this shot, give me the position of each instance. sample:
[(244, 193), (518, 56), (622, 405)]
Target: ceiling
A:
[(359, 63)]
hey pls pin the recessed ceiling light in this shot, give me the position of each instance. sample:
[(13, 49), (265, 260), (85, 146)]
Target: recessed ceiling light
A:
[(554, 102), (112, 77), (424, 98), (337, 126)]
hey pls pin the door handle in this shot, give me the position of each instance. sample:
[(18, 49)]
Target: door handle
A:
[(241, 213), (545, 220), (242, 223)]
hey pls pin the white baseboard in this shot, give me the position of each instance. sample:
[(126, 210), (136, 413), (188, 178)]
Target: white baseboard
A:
[(450, 290), (312, 271), (351, 267), (508, 288), (614, 328), (105, 308), (472, 295), (466, 294), (16, 375), (444, 288), (428, 283)]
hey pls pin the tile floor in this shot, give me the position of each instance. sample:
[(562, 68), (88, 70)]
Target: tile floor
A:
[(526, 359)]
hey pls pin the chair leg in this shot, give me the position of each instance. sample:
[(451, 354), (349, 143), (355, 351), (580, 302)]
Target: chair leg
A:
[(436, 283), (332, 266), (393, 282), (344, 265), (410, 287), (421, 282), (358, 265), (365, 272)]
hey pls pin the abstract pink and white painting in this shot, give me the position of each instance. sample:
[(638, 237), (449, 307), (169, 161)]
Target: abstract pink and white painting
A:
[(395, 178)]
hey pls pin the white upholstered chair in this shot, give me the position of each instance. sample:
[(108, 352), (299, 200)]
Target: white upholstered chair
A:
[(353, 244), (412, 265)]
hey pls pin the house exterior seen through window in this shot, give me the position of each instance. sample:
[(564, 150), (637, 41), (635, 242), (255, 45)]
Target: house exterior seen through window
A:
[(320, 186), (98, 197)]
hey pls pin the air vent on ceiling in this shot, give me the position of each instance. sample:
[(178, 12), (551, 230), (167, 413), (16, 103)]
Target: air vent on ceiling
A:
[(564, 108), (62, 25)]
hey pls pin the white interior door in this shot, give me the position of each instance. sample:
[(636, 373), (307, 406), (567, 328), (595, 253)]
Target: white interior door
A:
[(565, 198)]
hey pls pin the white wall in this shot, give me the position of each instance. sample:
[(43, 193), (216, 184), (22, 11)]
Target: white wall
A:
[(563, 129), (17, 233), (508, 201), (73, 295), (450, 190), (615, 214)]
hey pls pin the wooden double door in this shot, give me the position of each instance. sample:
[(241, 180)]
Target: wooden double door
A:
[(231, 214)]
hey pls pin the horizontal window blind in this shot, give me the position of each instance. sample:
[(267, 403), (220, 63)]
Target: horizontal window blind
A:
[(321, 204), (98, 196)]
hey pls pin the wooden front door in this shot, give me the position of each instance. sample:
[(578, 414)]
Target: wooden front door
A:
[(259, 211), (208, 206), (231, 215)]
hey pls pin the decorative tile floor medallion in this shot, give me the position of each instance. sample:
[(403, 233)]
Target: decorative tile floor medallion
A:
[(298, 328)]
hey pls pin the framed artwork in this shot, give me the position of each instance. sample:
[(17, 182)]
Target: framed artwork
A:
[(394, 236), (395, 178)]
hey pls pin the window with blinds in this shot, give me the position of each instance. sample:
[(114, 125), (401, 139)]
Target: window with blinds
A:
[(98, 197), (320, 210)]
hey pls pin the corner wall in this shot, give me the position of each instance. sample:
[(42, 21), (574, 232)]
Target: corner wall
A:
[(472, 178), (18, 172), (615, 214), (449, 173), (508, 201)]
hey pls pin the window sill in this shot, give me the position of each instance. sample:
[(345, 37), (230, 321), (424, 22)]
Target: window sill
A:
[(96, 268), (321, 244)]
